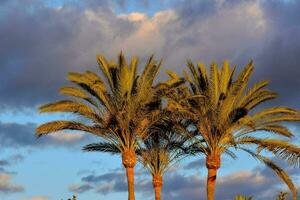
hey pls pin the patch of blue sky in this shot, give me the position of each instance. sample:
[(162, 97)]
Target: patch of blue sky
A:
[(147, 7), (52, 171), (25, 116), (120, 7)]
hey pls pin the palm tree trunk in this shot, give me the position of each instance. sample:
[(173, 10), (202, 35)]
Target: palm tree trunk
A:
[(211, 182), (157, 191), (130, 182), (213, 163), (157, 185), (129, 161)]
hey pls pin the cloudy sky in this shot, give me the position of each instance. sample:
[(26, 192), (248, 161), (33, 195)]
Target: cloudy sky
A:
[(41, 40)]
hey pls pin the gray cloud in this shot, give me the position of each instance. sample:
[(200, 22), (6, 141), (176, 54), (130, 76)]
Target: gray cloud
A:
[(260, 182), (23, 135), (196, 164), (11, 160), (34, 63), (80, 188)]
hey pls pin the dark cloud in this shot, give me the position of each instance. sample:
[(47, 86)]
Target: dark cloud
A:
[(4, 163), (267, 31), (23, 135), (34, 63), (102, 178), (196, 164), (279, 58), (105, 183)]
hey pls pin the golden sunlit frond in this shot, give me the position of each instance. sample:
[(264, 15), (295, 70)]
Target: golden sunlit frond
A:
[(55, 126)]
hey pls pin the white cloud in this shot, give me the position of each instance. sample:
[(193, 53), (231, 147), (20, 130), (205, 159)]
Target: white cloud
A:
[(67, 137), (36, 198), (6, 186), (134, 16)]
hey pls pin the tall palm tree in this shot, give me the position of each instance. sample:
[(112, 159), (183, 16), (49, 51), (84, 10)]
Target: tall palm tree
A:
[(118, 108), (161, 150), (226, 116)]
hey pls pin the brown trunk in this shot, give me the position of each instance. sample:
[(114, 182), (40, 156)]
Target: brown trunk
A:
[(157, 191), (130, 182), (211, 182), (213, 163), (129, 161), (157, 185)]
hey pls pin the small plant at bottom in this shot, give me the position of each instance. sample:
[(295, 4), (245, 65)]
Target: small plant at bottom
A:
[(241, 197), (282, 195), (73, 198)]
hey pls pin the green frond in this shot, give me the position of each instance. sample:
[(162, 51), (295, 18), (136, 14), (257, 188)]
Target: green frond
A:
[(192, 70), (225, 77), (172, 74), (92, 84), (252, 93), (278, 119), (242, 80), (103, 147), (241, 197), (133, 73), (261, 96), (105, 68), (150, 72), (72, 91), (203, 80), (278, 111), (278, 129), (76, 92), (55, 126), (73, 107), (214, 83), (280, 148)]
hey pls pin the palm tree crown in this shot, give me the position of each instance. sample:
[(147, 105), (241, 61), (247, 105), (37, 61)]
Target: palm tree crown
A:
[(224, 113), (119, 108)]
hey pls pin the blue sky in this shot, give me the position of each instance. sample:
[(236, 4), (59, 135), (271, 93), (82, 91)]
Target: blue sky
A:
[(42, 40)]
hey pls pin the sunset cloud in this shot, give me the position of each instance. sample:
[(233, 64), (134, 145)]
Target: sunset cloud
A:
[(6, 186)]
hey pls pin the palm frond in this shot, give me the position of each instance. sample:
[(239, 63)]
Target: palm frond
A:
[(103, 147), (280, 148), (55, 126), (279, 171)]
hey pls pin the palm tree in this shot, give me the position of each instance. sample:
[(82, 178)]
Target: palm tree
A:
[(119, 109), (161, 150), (225, 114)]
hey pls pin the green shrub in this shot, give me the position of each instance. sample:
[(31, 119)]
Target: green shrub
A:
[(241, 197)]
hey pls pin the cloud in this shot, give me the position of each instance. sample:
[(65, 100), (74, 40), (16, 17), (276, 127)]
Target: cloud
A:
[(13, 159), (80, 188), (260, 182), (4, 163), (23, 135), (35, 66), (6, 186), (196, 164), (67, 137), (36, 198)]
